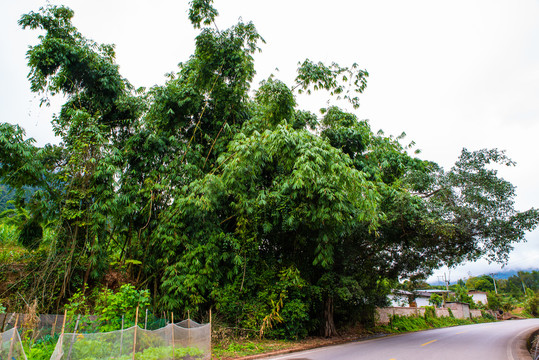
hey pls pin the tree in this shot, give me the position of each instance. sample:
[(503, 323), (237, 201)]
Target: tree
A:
[(245, 203), (461, 293), (92, 123), (494, 301), (477, 207), (436, 300), (532, 304), (481, 283)]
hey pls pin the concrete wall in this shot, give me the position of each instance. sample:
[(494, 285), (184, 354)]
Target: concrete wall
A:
[(442, 312), (459, 310), (385, 314), (475, 313)]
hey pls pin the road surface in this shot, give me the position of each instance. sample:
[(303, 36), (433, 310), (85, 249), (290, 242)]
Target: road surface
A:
[(490, 341)]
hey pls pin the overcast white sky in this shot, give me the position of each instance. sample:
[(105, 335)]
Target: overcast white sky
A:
[(451, 74)]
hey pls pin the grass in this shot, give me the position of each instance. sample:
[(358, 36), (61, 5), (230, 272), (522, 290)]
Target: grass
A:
[(8, 235), (238, 348), (10, 250)]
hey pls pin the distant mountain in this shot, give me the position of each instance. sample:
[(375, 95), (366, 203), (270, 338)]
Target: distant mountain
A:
[(6, 194), (508, 273), (498, 275)]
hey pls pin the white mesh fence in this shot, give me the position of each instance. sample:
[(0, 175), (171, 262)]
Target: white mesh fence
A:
[(11, 346), (186, 340), (46, 324)]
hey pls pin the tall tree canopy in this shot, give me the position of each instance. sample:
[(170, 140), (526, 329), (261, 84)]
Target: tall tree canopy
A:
[(283, 221)]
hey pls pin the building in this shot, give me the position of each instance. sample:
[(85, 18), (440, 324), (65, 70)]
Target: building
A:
[(422, 297), (417, 298), (400, 298), (478, 296)]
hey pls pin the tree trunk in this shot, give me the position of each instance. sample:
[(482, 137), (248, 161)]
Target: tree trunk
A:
[(67, 271), (329, 324)]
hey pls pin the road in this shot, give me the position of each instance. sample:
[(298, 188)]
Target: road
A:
[(490, 341)]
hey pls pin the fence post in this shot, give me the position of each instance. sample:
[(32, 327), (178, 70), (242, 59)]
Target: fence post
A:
[(64, 323), (15, 332), (172, 317), (135, 335), (122, 337), (54, 325), (188, 328), (210, 332), (146, 319)]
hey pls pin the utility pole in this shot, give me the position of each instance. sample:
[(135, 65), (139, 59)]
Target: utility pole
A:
[(445, 280), (494, 281), (522, 282)]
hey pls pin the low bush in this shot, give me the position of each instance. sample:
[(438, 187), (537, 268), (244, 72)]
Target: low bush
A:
[(40, 349)]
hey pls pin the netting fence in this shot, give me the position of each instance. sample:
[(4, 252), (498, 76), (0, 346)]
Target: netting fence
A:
[(80, 338), (38, 326), (184, 340), (11, 346)]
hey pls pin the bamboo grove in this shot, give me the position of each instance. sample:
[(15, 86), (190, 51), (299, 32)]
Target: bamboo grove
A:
[(213, 193)]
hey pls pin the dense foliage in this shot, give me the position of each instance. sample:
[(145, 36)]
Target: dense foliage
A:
[(210, 197)]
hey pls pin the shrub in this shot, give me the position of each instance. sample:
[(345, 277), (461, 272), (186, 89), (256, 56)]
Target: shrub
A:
[(436, 300), (430, 312), (488, 316), (532, 305), (31, 234), (415, 323), (111, 306), (8, 234), (42, 348), (294, 314), (85, 349)]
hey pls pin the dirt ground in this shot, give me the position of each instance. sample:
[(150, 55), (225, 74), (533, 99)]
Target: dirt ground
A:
[(310, 343)]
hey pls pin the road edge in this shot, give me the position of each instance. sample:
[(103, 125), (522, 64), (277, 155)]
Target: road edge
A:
[(518, 349)]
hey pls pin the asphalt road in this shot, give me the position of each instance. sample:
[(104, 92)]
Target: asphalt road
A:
[(490, 341)]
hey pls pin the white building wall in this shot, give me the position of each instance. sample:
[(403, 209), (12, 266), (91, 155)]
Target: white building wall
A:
[(479, 298), (422, 301)]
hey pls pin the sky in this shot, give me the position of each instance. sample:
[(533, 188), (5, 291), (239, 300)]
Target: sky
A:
[(450, 74)]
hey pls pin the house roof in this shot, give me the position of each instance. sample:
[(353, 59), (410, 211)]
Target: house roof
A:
[(401, 292), (429, 292)]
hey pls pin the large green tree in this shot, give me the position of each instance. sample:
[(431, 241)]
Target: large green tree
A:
[(283, 221)]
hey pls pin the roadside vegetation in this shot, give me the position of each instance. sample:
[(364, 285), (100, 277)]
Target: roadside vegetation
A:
[(210, 193), (517, 294), (400, 324)]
